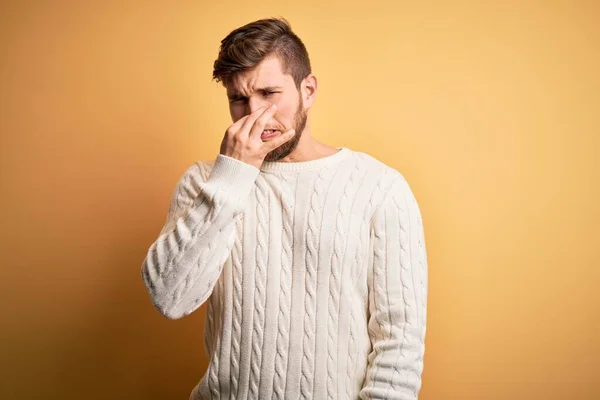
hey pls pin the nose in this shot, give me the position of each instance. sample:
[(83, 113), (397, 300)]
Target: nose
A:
[(256, 103)]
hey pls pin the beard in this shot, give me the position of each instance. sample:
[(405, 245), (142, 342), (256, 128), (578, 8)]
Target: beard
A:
[(288, 147)]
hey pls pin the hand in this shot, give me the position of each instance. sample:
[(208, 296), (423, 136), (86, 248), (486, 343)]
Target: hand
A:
[(243, 140)]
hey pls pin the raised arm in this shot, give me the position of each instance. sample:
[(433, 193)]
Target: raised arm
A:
[(183, 264)]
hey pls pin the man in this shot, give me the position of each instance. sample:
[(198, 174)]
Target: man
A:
[(312, 257)]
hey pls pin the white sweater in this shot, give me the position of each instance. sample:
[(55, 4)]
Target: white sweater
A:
[(315, 274)]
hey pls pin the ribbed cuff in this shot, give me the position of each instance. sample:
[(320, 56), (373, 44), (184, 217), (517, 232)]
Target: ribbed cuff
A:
[(232, 177)]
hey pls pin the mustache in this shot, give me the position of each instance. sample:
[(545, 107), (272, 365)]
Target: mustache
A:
[(271, 125)]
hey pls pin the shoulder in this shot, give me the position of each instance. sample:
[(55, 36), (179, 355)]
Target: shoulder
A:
[(391, 183), (199, 170), (386, 176)]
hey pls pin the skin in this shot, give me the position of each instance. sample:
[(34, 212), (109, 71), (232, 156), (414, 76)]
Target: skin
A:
[(251, 94)]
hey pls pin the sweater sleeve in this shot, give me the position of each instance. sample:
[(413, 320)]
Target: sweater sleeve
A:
[(185, 261), (397, 285)]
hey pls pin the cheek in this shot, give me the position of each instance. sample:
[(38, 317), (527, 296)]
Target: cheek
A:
[(285, 113)]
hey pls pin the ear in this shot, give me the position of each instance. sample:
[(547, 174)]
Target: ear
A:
[(309, 90)]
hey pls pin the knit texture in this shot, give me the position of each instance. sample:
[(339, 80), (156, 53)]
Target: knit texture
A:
[(315, 274)]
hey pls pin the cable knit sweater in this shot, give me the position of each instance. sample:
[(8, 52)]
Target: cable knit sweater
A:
[(315, 275)]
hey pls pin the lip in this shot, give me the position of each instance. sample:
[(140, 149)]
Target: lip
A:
[(270, 135)]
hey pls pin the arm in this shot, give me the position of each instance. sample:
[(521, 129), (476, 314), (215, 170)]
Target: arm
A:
[(183, 264), (397, 284)]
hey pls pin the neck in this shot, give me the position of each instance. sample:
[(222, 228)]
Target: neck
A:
[(309, 149)]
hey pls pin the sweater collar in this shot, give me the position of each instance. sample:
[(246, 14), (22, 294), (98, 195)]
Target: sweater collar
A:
[(283, 166)]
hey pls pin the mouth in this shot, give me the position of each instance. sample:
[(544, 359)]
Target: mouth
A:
[(268, 133)]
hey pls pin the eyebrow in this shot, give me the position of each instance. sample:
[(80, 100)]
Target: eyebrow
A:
[(237, 96)]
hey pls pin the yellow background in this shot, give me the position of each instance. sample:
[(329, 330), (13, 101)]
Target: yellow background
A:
[(489, 109)]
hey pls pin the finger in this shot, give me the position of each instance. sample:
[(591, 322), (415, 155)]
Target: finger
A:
[(261, 122), (237, 125), (251, 119), (272, 144)]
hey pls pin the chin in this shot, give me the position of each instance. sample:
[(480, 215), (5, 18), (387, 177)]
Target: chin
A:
[(284, 150), (276, 155)]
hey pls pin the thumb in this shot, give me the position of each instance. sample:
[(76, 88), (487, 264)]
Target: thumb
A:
[(279, 140)]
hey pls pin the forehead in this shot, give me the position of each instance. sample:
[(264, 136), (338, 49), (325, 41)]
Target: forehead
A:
[(266, 74)]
